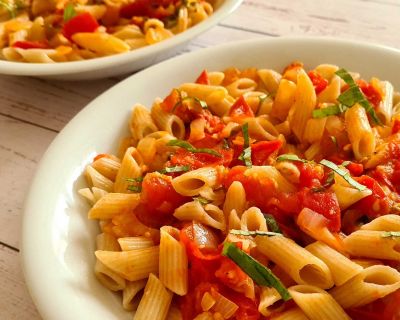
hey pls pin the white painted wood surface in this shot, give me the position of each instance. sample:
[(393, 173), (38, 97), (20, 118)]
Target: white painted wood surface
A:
[(32, 111)]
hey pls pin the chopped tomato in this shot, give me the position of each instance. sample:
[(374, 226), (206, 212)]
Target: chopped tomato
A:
[(83, 22), (203, 78), (232, 276), (319, 82), (173, 104), (396, 126), (310, 175), (158, 200), (151, 8), (214, 123), (387, 308), (248, 309), (370, 92), (31, 45), (241, 109), (324, 203), (356, 169), (260, 151), (376, 204), (258, 191)]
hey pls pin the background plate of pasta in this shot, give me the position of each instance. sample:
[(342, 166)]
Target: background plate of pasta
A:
[(261, 181), (85, 39)]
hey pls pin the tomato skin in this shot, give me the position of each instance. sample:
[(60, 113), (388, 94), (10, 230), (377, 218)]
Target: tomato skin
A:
[(203, 78), (83, 22), (324, 203), (149, 8), (240, 109), (376, 200), (260, 151), (158, 200), (310, 176), (318, 81), (370, 92), (214, 124), (396, 126), (31, 45)]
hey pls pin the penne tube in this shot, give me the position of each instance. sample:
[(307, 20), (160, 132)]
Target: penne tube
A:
[(271, 173), (141, 124), (372, 283), (292, 314), (268, 297), (253, 220), (359, 131), (241, 86), (167, 121), (210, 215), (107, 166), (331, 92), (132, 243), (235, 199), (130, 293), (112, 204), (131, 265), (96, 179), (155, 302), (130, 169), (372, 244), (270, 78), (304, 267), (193, 182), (348, 196), (342, 268), (173, 263), (284, 99), (317, 304), (389, 222), (261, 128)]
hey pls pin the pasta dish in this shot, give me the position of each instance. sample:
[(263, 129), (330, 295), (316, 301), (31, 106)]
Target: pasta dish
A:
[(255, 194), (48, 31)]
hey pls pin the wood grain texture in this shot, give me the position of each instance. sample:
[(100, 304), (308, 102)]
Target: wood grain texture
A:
[(15, 303), (32, 111)]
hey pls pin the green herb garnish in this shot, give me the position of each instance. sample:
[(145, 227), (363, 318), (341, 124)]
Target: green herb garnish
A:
[(255, 270), (290, 157), (354, 95), (203, 201), (329, 111), (255, 233), (174, 169), (245, 156), (330, 180), (69, 12), (344, 174), (186, 145), (137, 188), (271, 223), (390, 234)]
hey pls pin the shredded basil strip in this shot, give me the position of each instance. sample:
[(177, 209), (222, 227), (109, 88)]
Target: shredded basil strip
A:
[(255, 270), (272, 224), (138, 179), (345, 163), (137, 188), (290, 157), (245, 156), (354, 95), (344, 174), (69, 12), (9, 7), (186, 145), (203, 201), (174, 169), (328, 111), (390, 234), (255, 233)]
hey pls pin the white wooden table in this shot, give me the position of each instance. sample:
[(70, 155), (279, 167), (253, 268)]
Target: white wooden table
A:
[(33, 111)]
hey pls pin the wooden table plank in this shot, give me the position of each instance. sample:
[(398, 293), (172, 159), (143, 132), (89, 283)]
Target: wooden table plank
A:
[(15, 302), (21, 147)]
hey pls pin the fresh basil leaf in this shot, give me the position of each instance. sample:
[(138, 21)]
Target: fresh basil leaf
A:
[(137, 188), (390, 234), (271, 223), (138, 179), (203, 201), (255, 270), (186, 145), (69, 12), (343, 173), (255, 233), (290, 157), (328, 111), (174, 169)]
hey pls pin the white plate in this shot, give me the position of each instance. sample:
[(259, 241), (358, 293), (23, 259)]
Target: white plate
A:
[(120, 63), (58, 240)]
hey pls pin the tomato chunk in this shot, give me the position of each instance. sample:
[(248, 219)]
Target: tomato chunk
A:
[(370, 92), (396, 126), (83, 22), (203, 78), (318, 81), (241, 109), (260, 151), (31, 45)]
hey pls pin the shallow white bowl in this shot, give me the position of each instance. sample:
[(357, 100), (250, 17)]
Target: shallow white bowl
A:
[(120, 64), (58, 240)]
